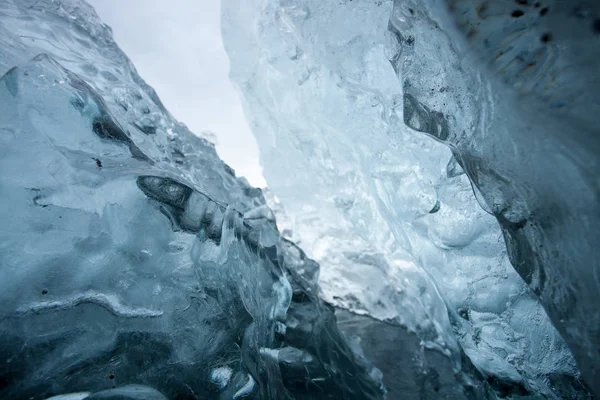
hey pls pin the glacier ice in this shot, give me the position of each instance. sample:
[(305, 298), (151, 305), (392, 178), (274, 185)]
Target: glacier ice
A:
[(393, 132), (133, 263)]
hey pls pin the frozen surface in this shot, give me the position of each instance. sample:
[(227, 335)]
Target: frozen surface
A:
[(418, 148), (133, 263)]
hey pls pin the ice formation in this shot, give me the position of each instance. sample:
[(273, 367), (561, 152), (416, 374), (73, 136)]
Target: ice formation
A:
[(390, 129), (135, 265)]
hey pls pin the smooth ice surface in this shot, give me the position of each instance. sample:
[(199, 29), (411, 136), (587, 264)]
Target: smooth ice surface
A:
[(133, 263), (391, 147)]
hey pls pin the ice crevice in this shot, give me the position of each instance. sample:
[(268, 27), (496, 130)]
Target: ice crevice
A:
[(428, 231), (451, 151)]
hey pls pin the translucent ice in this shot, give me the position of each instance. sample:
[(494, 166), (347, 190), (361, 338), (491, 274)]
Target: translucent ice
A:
[(389, 143), (133, 263)]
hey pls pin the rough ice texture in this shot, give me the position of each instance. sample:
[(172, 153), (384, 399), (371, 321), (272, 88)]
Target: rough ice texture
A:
[(133, 263), (393, 132)]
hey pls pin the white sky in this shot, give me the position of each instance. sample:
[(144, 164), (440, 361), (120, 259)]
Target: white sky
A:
[(176, 47)]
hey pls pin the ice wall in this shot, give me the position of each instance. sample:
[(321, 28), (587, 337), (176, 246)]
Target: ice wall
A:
[(133, 263), (391, 130)]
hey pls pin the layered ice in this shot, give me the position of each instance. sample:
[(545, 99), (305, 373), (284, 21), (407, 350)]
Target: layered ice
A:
[(438, 159)]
